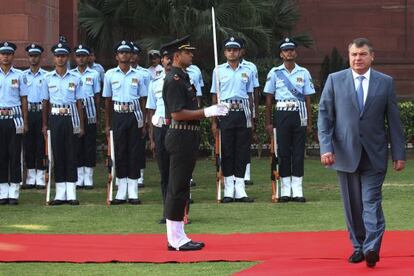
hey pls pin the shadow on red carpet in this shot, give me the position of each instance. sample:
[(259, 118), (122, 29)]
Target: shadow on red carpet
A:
[(293, 253)]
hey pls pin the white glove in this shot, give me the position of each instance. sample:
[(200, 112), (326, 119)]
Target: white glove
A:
[(220, 109)]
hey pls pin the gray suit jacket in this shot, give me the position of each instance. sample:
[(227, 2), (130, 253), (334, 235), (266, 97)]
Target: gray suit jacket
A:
[(343, 131)]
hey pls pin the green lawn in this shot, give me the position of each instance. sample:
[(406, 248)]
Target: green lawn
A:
[(323, 211)]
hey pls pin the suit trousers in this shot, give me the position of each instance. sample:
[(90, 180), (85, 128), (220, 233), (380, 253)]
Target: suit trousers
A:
[(163, 159), (182, 146), (291, 138), (64, 148), (127, 139), (361, 193), (10, 154), (34, 142)]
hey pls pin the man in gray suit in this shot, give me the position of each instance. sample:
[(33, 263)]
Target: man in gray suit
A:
[(354, 106)]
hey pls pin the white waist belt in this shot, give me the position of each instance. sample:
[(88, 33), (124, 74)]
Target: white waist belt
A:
[(60, 111), (287, 104)]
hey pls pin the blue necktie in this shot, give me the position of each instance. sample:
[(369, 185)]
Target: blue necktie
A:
[(360, 94)]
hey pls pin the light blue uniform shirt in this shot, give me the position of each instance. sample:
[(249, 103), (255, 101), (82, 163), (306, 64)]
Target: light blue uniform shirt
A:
[(196, 78), (234, 84), (156, 71), (299, 77), (11, 88), (155, 100), (61, 90), (123, 87), (252, 67), (101, 71), (89, 84), (146, 77), (32, 84)]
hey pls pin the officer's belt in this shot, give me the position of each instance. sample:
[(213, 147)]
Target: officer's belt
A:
[(287, 105), (235, 105), (61, 110), (184, 126), (121, 107), (34, 107)]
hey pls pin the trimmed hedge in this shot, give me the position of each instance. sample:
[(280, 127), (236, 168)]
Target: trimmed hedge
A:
[(207, 141)]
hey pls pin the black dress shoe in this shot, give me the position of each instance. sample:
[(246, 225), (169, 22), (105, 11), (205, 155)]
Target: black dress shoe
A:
[(78, 187), (13, 201), (162, 221), (300, 199), (118, 202), (192, 183), (40, 187), (73, 202), (248, 182), (371, 258), (202, 244), (356, 257), (4, 201), (227, 199), (57, 202), (284, 199), (134, 201), (189, 246), (245, 199)]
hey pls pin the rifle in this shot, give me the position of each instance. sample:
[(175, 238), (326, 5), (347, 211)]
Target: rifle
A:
[(111, 168), (217, 146), (274, 167), (48, 164)]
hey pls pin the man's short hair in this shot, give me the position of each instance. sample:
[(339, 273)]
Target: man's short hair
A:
[(361, 42)]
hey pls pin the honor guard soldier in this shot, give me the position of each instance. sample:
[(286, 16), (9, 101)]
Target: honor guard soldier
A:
[(123, 91), (89, 89), (290, 85), (96, 66), (63, 113), (256, 85), (34, 142), (155, 59), (196, 78), (236, 88), (159, 126), (146, 75), (182, 140), (13, 123)]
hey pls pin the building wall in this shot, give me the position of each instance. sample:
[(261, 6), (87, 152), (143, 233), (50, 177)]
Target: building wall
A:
[(39, 21), (388, 24)]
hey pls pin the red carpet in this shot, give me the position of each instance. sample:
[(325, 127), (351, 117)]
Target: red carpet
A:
[(322, 253)]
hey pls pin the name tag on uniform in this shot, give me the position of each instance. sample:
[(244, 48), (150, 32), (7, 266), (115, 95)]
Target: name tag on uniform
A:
[(299, 80), (88, 81), (15, 83), (52, 88), (134, 82), (71, 86), (158, 93)]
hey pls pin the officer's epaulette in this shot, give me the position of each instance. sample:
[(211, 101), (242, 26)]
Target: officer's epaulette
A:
[(15, 70), (50, 73)]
